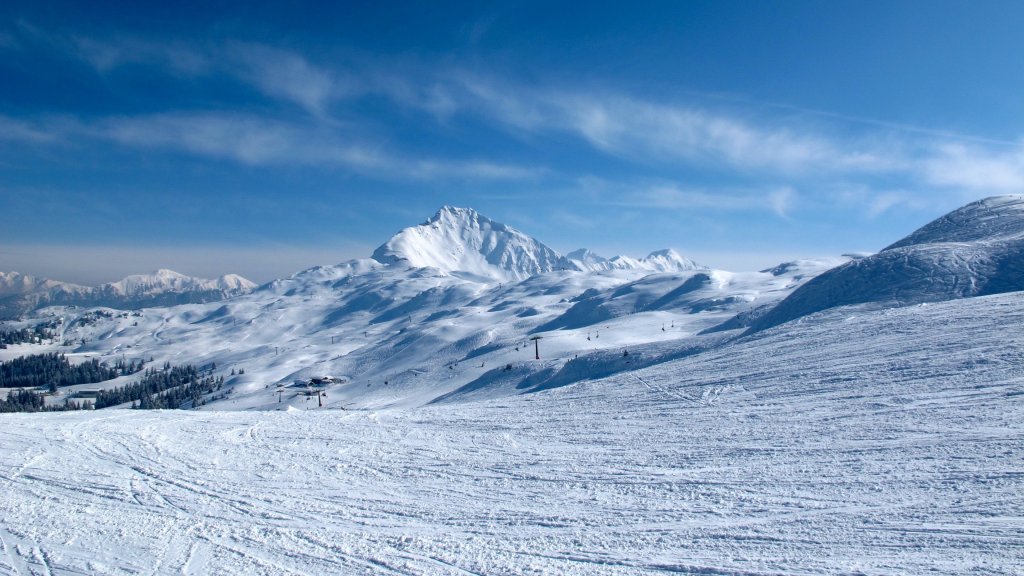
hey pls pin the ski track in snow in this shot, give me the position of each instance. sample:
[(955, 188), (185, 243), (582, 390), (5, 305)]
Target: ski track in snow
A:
[(889, 442)]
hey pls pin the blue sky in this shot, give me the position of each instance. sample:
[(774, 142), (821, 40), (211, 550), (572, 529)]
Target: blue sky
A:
[(261, 139)]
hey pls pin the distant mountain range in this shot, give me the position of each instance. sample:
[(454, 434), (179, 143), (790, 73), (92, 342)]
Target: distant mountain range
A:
[(21, 293), (457, 308), (456, 241)]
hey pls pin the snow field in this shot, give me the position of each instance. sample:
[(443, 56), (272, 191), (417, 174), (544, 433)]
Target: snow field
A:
[(885, 442)]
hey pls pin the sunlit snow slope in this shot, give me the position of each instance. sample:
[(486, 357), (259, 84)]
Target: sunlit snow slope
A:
[(976, 250), (882, 442)]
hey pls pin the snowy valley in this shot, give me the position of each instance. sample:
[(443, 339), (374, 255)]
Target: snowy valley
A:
[(468, 400)]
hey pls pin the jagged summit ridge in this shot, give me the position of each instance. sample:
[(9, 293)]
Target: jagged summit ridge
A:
[(464, 242), (666, 260)]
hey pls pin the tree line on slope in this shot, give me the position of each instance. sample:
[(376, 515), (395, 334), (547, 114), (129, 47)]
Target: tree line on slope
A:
[(177, 387), (172, 387), (53, 370)]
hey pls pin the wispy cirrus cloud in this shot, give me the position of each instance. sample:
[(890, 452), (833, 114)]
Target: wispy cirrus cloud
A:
[(972, 167), (659, 136), (286, 76), (875, 201), (673, 197), (882, 202), (276, 73), (775, 199), (257, 141), (246, 139), (647, 131), (106, 56), (471, 169), (20, 131)]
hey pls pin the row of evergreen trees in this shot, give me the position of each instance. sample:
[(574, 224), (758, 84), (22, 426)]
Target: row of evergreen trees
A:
[(172, 387), (53, 370), (29, 401)]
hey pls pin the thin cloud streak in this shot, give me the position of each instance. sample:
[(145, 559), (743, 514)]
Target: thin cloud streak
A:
[(958, 165), (21, 132), (286, 76), (104, 57), (638, 130), (650, 133), (670, 196), (257, 141)]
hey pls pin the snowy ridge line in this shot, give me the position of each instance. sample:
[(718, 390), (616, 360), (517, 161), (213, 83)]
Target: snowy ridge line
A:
[(976, 250), (20, 293)]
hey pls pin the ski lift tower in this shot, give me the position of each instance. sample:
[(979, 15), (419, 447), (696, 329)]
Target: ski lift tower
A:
[(536, 347)]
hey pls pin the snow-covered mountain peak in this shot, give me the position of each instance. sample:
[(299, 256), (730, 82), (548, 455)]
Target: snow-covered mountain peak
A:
[(164, 280), (665, 260), (584, 259), (993, 218), (455, 214), (668, 260), (465, 243), (234, 282), (462, 241), (15, 284)]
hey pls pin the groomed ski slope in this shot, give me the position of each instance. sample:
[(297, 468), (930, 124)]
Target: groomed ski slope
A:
[(885, 442)]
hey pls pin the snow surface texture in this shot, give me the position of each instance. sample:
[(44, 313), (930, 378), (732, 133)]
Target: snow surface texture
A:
[(20, 293), (874, 442), (973, 251)]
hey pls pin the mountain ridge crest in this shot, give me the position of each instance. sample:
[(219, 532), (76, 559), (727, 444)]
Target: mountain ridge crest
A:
[(461, 241)]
